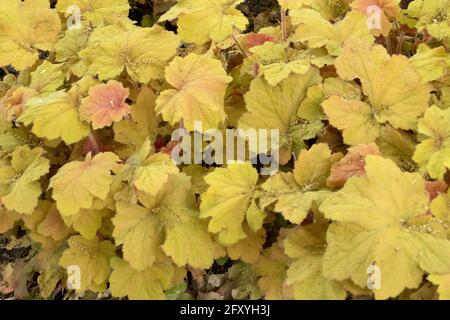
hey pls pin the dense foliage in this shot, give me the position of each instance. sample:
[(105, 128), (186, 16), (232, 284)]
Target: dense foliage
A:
[(358, 209)]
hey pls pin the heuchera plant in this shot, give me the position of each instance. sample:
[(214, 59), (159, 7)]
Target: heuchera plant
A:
[(359, 91)]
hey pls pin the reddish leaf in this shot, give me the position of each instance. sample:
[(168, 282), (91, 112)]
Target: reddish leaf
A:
[(257, 39), (105, 104), (351, 165)]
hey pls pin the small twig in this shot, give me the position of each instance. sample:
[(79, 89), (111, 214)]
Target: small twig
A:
[(94, 142), (400, 42), (135, 86), (430, 38), (388, 44), (283, 25), (241, 49)]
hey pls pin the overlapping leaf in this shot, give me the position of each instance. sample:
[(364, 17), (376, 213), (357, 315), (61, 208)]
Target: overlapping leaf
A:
[(148, 284), (276, 107), (319, 32), (294, 193), (433, 153), (277, 61), (306, 246), (142, 52), (165, 223), (19, 179), (395, 93), (198, 93), (55, 116), (78, 183), (26, 28), (203, 20), (230, 201), (89, 259), (379, 225)]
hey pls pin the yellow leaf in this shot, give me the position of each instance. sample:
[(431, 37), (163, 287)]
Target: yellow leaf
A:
[(330, 10), (294, 193), (276, 107), (67, 48), (228, 200), (382, 233), (32, 222), (148, 284), (197, 174), (355, 118), (394, 89), (433, 153), (142, 52), (19, 179), (198, 95), (272, 268), (153, 173), (55, 116), (248, 249), (432, 16), (399, 146), (443, 281), (311, 108), (166, 222), (202, 20), (87, 222), (277, 61), (78, 183), (47, 78), (306, 246), (25, 28), (143, 123), (53, 225), (290, 4), (94, 10), (92, 258), (319, 32), (430, 63)]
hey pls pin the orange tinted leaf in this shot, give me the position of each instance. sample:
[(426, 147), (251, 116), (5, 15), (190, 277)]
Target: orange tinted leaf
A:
[(105, 104), (388, 9), (434, 188), (257, 39), (351, 165)]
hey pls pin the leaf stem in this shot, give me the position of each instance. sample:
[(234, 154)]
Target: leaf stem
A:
[(283, 24), (400, 42), (94, 143), (241, 49), (388, 44)]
